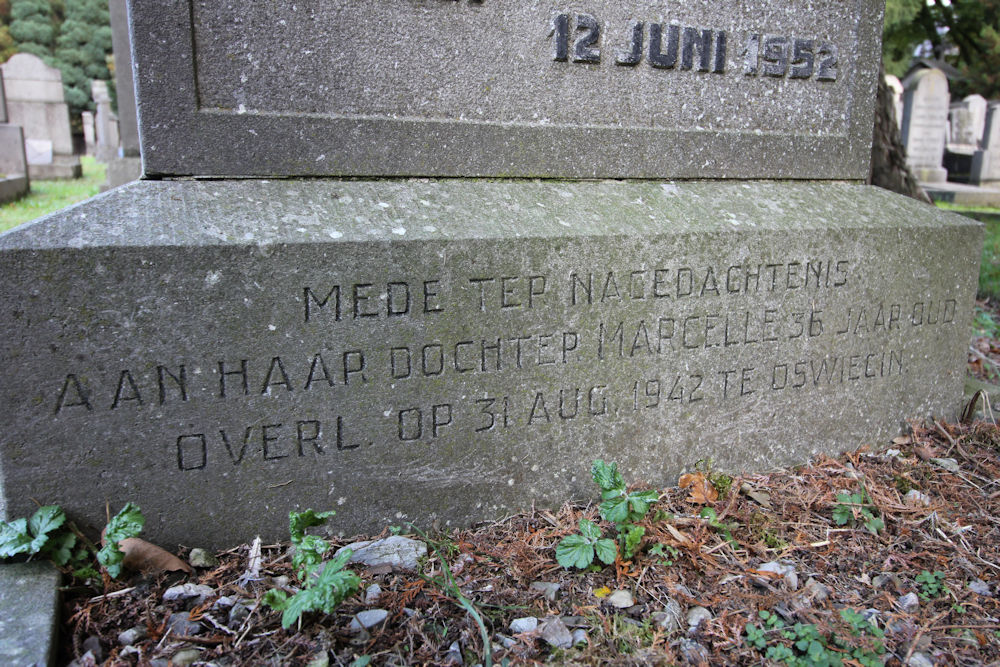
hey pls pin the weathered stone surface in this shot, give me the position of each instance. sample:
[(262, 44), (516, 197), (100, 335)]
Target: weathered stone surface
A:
[(986, 162), (224, 352), (753, 89), (29, 613)]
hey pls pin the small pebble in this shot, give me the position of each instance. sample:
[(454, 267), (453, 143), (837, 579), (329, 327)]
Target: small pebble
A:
[(132, 635), (579, 636), (180, 624), (886, 580), (93, 645), (951, 465), (238, 613), (550, 590), (671, 618), (871, 615), (909, 602), (185, 657), (188, 591), (521, 625), (321, 660), (202, 558), (693, 652), (368, 618), (695, 616), (281, 581), (621, 599), (980, 587), (506, 641), (372, 594), (787, 572), (555, 633), (915, 498), (454, 656), (919, 660)]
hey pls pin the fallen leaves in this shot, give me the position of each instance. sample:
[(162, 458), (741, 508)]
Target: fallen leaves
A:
[(700, 488), (143, 556)]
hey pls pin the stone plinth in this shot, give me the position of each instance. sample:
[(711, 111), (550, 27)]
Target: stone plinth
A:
[(986, 162), (454, 350)]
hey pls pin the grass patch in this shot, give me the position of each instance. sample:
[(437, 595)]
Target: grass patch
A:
[(48, 196), (989, 268)]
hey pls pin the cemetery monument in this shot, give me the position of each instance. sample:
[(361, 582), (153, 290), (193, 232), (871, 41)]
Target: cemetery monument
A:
[(925, 123), (14, 181), (426, 260), (36, 102)]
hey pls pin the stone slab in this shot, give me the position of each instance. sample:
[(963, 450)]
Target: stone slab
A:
[(964, 194), (749, 89), (13, 187), (29, 614), (63, 167), (121, 171), (124, 81), (417, 349), (13, 160)]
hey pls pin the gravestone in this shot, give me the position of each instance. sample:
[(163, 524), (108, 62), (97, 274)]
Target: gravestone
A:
[(986, 161), (966, 121), (127, 167), (925, 120), (105, 122), (13, 163), (896, 87), (35, 101), (977, 106), (89, 132), (406, 348)]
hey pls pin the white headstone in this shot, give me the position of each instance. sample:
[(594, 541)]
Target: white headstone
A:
[(986, 161), (896, 90), (977, 106), (925, 123), (105, 122), (87, 117)]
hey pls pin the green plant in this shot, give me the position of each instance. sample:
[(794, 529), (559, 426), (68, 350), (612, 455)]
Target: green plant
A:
[(621, 506), (319, 593), (666, 553), (43, 533), (127, 523), (803, 644), (722, 482), (726, 529), (931, 584), (578, 550), (856, 508)]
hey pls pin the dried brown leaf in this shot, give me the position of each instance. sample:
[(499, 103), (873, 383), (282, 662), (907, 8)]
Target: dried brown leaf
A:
[(925, 452), (147, 557), (701, 490)]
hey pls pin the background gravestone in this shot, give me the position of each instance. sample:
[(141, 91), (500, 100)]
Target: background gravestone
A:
[(13, 163), (89, 132), (35, 101), (105, 122), (986, 162), (925, 120), (966, 120), (896, 87), (453, 349)]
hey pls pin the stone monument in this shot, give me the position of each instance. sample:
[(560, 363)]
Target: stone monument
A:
[(896, 86), (126, 167), (105, 122), (13, 162), (403, 347), (925, 123), (986, 161), (89, 132), (35, 101), (966, 120)]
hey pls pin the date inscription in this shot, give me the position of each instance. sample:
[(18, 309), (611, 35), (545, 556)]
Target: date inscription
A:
[(577, 38)]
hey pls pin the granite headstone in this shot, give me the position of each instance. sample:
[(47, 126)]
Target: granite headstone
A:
[(89, 131), (925, 123), (127, 167), (105, 122), (35, 101), (222, 351)]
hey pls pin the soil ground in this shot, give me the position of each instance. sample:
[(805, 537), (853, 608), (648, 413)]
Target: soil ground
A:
[(882, 556)]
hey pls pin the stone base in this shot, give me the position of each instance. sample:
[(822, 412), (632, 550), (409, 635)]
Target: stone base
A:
[(121, 171), (13, 187), (29, 613), (222, 352), (985, 168), (958, 165), (62, 167), (987, 194), (930, 174)]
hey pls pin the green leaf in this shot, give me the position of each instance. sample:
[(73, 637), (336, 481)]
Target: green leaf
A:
[(45, 520), (607, 477), (299, 521), (605, 550), (631, 539), (589, 529), (60, 548), (127, 523), (575, 551), (615, 509), (641, 500), (14, 538), (276, 599)]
